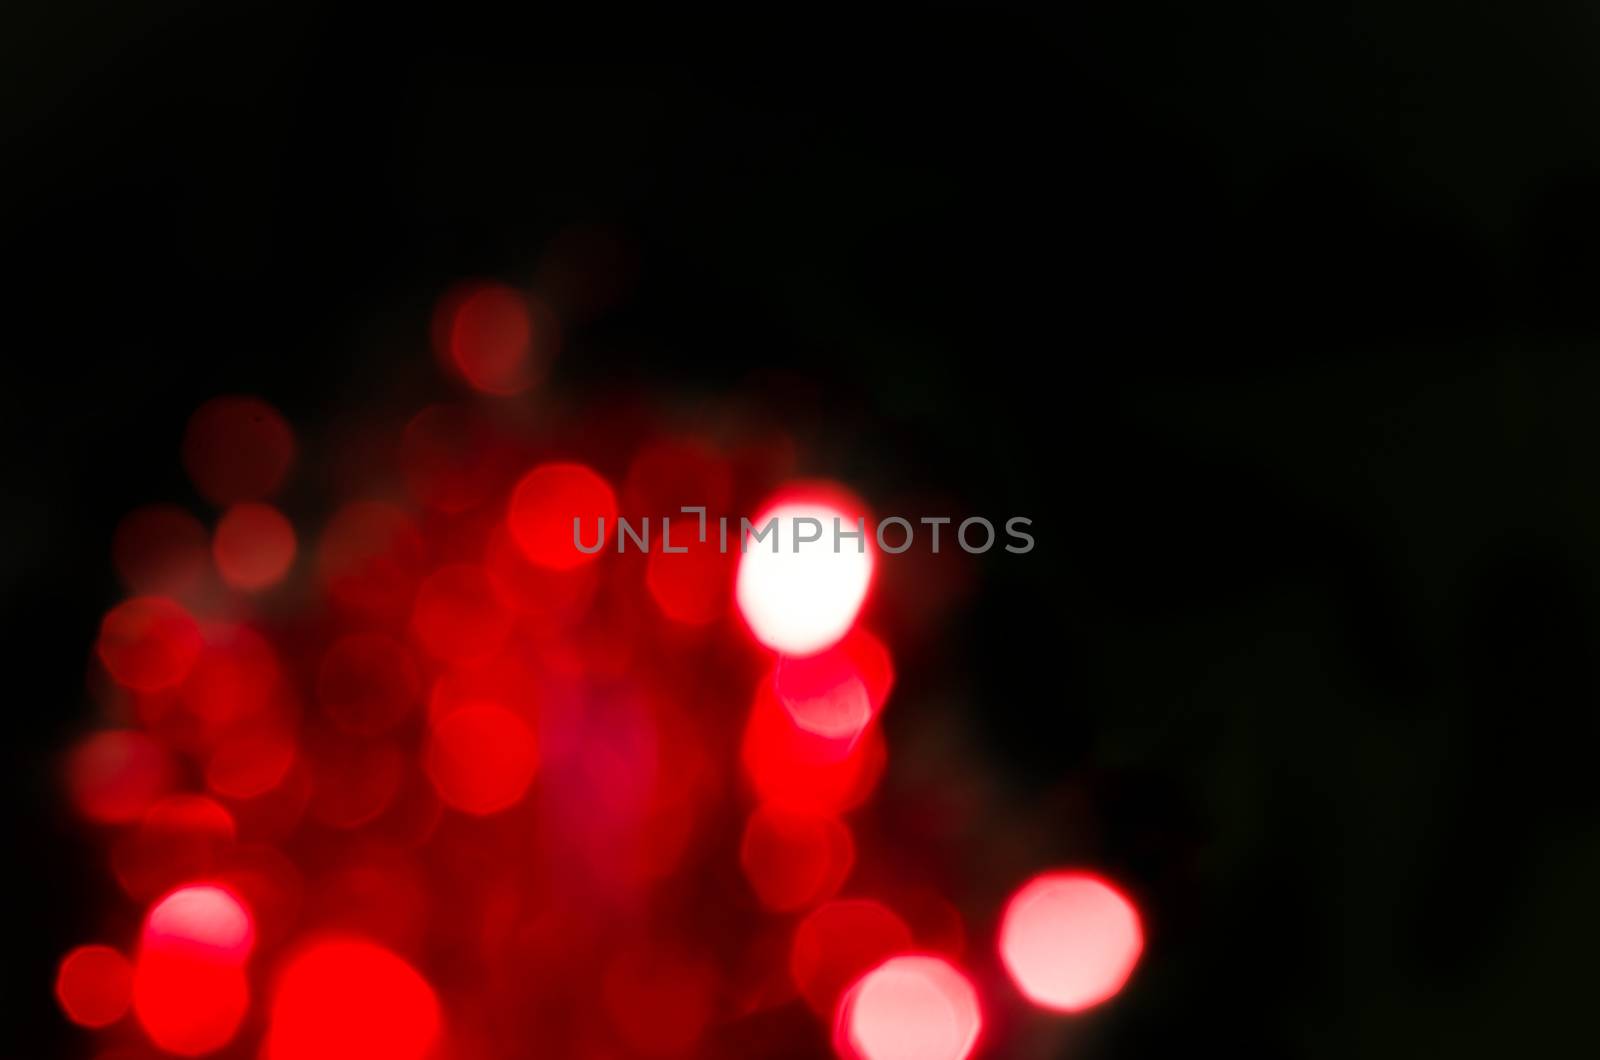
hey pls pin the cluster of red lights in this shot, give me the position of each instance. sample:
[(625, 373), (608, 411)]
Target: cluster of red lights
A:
[(431, 782)]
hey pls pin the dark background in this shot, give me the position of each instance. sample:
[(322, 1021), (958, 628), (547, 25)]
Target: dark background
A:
[(1281, 321)]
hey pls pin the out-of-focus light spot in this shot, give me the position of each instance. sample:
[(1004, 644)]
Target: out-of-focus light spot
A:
[(910, 1007), (160, 549), (235, 676), (350, 999), (695, 586), (457, 616), (481, 758), (189, 987), (660, 1003), (370, 557), (836, 943), (803, 596), (252, 759), (254, 546), (837, 692), (1070, 940), (788, 766), (368, 682), (493, 337), (180, 837), (116, 775), (94, 985), (544, 505), (451, 459), (795, 859), (237, 449), (148, 643), (203, 920)]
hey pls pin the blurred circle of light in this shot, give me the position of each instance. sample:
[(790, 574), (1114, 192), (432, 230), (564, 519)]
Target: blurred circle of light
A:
[(180, 837), (350, 999), (788, 766), (237, 449), (234, 677), (837, 942), (481, 758), (488, 336), (691, 587), (1070, 940), (458, 616), (910, 1007), (148, 643), (94, 985), (544, 505), (189, 987), (794, 859), (160, 549), (116, 775), (800, 599), (254, 546), (835, 693), (205, 920)]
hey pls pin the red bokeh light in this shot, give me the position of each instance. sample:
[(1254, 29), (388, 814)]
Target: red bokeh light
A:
[(237, 449), (790, 767), (837, 942), (451, 458), (481, 758), (254, 546), (544, 505), (457, 616), (116, 775), (794, 859), (161, 549), (190, 991), (148, 643), (493, 337), (910, 1007), (693, 586), (659, 1002), (94, 985), (180, 837), (836, 693), (1070, 940), (351, 999)]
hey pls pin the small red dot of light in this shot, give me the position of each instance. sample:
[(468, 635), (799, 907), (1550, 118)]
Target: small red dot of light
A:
[(116, 775), (837, 942), (368, 682), (544, 505), (254, 546), (148, 643), (481, 758), (94, 985), (237, 449), (1070, 940), (910, 1007), (457, 617), (794, 859), (695, 586), (491, 336), (350, 999), (160, 549)]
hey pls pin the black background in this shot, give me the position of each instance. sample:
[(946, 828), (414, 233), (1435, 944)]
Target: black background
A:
[(1281, 322)]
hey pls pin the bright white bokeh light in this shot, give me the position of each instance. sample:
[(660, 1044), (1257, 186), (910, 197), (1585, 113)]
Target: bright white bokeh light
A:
[(1070, 940), (912, 1007), (801, 602)]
